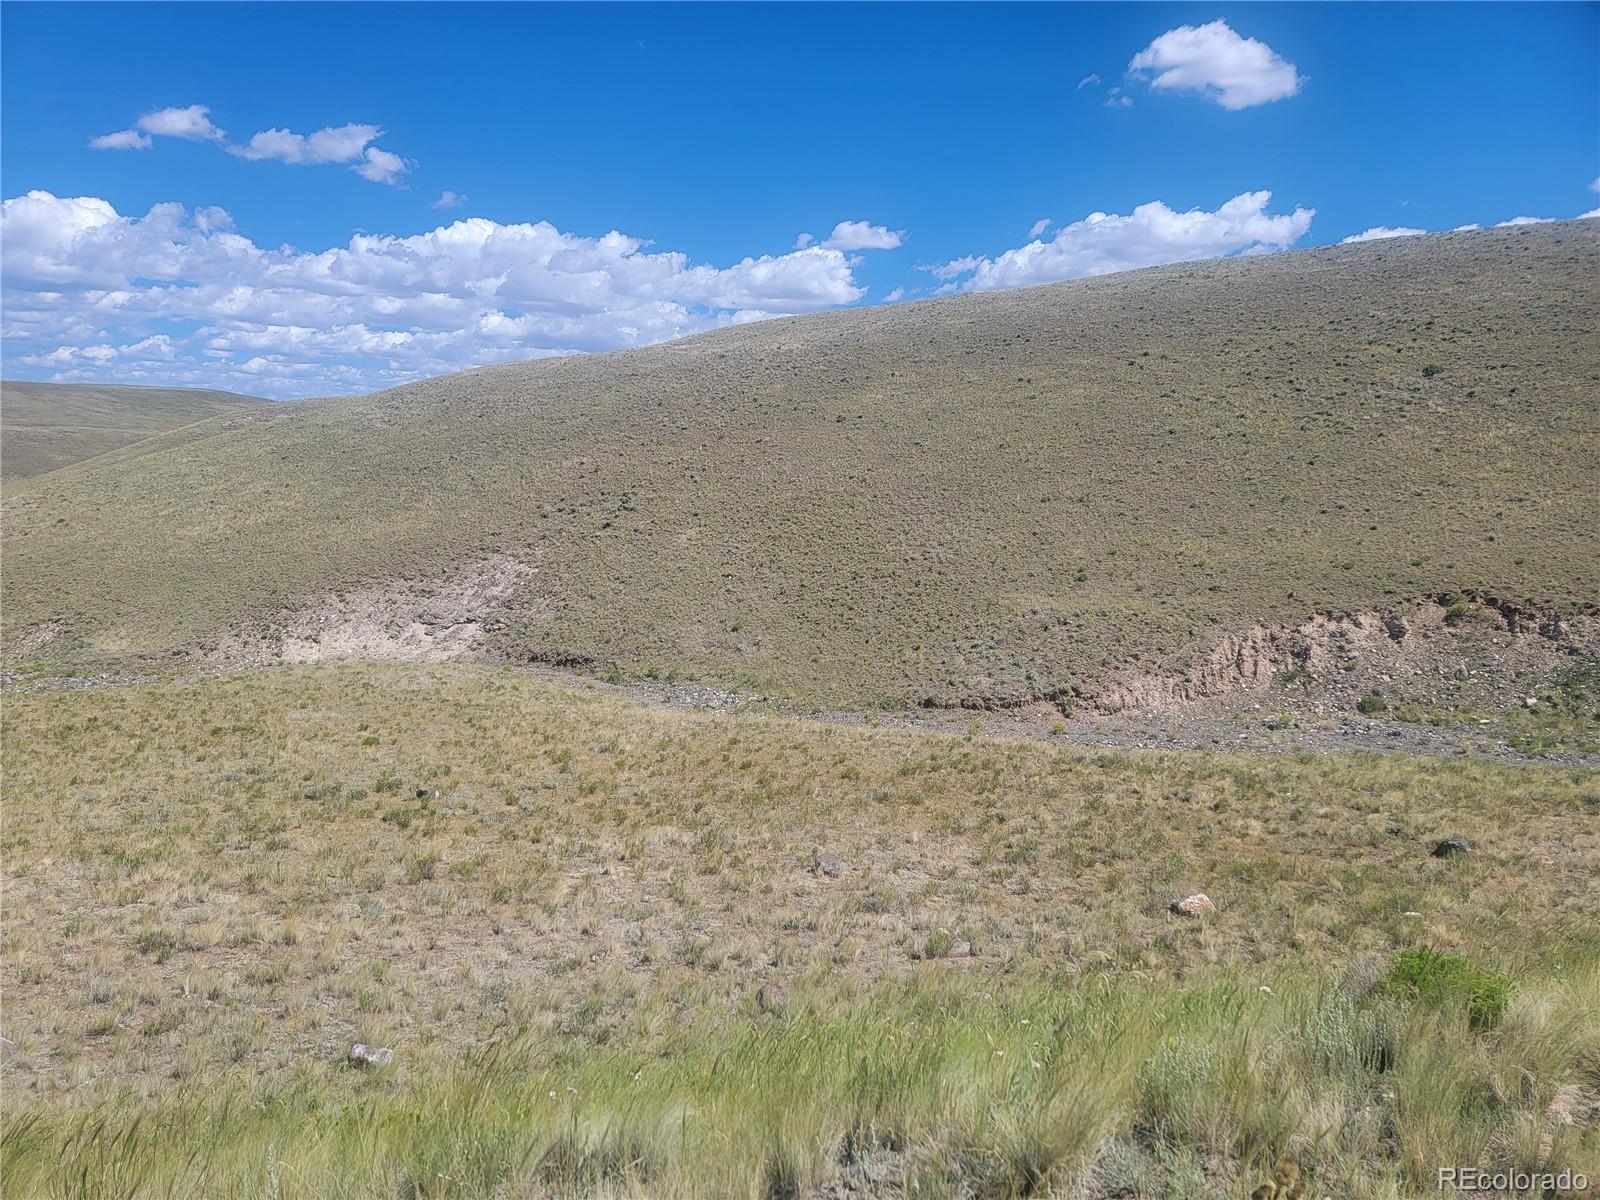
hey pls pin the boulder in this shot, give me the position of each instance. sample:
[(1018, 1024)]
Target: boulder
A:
[(825, 862), (369, 1056), (1192, 906), (1452, 846)]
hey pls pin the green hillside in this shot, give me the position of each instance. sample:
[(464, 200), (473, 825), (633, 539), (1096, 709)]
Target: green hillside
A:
[(996, 495), (44, 426)]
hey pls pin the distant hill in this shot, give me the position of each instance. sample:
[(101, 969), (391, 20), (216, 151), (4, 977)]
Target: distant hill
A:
[(994, 496), (48, 425)]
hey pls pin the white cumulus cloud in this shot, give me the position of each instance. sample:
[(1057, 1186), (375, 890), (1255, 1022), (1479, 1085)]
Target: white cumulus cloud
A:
[(350, 144), (449, 199), (863, 235), (1379, 232), (179, 296), (340, 144), (1038, 227), (192, 123), (380, 166), (337, 144), (1151, 234), (1236, 72), (123, 139)]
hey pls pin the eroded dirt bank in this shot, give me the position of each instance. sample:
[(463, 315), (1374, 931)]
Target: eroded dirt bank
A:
[(1466, 674)]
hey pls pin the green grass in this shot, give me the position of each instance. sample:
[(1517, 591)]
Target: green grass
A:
[(45, 426), (1027, 1089), (215, 886), (996, 496)]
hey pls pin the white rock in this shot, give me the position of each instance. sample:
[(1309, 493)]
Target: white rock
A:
[(369, 1056), (1192, 906)]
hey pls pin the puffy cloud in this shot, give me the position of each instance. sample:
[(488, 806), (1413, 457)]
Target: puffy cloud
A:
[(1379, 232), (1524, 221), (340, 144), (1117, 98), (1237, 72), (804, 240), (861, 235), (1151, 234), (1038, 227), (336, 144), (192, 123), (123, 139), (350, 144), (380, 166), (179, 296), (449, 199)]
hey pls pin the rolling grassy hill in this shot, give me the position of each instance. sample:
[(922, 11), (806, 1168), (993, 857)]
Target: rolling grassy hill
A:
[(592, 934), (998, 495), (44, 426)]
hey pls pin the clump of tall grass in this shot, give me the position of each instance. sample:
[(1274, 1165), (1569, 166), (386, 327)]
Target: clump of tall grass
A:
[(1019, 1091)]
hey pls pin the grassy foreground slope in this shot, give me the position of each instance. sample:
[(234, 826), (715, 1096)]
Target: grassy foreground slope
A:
[(48, 425), (560, 910), (998, 495)]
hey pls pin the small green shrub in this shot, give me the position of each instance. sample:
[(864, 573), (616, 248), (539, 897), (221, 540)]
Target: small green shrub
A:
[(938, 944), (419, 867), (1429, 371), (1448, 978), (1371, 704)]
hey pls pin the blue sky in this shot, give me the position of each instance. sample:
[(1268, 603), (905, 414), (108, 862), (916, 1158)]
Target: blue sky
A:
[(676, 156)]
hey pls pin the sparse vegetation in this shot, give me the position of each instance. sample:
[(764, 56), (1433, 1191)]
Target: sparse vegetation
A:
[(46, 426), (564, 942)]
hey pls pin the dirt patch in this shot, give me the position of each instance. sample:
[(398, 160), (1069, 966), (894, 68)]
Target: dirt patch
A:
[(440, 619), (1488, 645)]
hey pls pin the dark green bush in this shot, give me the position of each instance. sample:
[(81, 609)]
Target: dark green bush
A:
[(1371, 704), (1444, 978)]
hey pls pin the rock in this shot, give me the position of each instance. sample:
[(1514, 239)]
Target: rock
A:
[(369, 1056), (959, 950), (1396, 626), (1461, 671), (770, 998), (1451, 846), (1192, 906), (825, 862), (1531, 702)]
